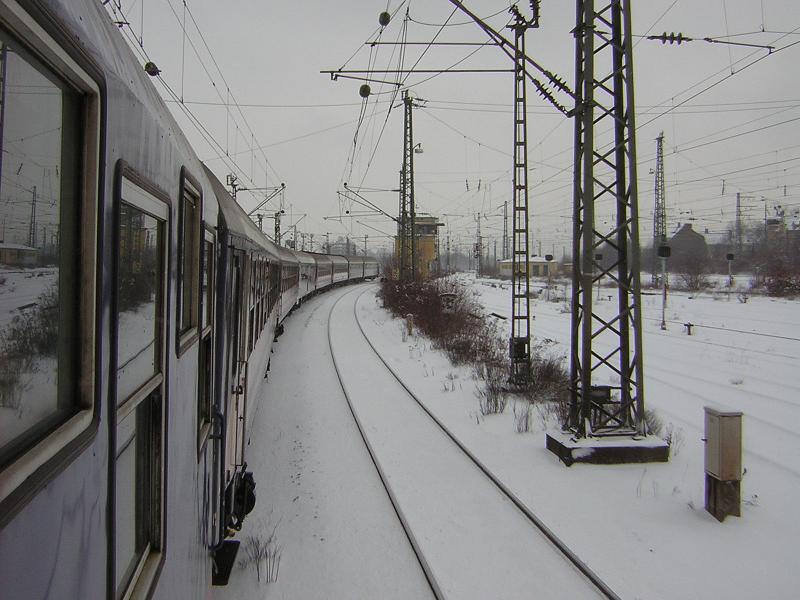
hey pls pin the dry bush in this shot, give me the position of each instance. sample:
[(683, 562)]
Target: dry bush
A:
[(522, 416), (469, 339), (674, 438), (492, 399), (263, 552), (463, 334), (29, 337), (653, 422)]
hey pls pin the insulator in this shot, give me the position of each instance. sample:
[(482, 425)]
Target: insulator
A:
[(151, 69)]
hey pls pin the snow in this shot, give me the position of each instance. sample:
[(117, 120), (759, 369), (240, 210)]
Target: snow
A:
[(34, 395), (20, 288), (338, 534), (642, 528), (476, 542), (137, 349)]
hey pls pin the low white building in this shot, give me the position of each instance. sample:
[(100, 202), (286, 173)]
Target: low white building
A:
[(538, 266), (17, 255)]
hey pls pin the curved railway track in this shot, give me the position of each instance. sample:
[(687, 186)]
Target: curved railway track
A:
[(433, 584), (556, 545)]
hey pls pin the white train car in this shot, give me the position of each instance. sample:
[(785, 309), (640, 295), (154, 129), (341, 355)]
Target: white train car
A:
[(136, 334), (308, 275)]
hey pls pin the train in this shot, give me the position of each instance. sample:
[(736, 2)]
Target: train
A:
[(139, 306)]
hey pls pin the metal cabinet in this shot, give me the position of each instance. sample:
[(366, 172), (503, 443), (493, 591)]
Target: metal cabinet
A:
[(723, 456)]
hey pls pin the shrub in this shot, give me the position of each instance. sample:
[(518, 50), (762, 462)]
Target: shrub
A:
[(463, 333), (28, 337), (35, 331), (674, 438), (469, 339), (522, 416), (653, 422), (491, 395), (263, 549)]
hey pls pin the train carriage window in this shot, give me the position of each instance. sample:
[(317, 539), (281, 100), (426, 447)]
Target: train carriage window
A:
[(259, 285), (140, 351), (139, 275), (265, 296), (49, 140), (205, 368), (207, 281), (251, 308), (189, 242)]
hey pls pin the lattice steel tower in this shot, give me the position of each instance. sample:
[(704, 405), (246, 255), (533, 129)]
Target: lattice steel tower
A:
[(660, 210), (405, 226), (606, 354), (520, 342)]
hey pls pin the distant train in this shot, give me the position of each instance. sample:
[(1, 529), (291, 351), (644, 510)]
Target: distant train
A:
[(138, 308)]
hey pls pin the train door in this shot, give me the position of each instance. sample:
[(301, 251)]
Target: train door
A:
[(138, 417), (237, 368), (208, 453)]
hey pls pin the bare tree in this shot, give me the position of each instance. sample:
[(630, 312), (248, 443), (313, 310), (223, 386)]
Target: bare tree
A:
[(692, 269)]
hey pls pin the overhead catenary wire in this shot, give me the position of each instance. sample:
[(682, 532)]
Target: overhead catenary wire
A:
[(128, 32), (222, 77)]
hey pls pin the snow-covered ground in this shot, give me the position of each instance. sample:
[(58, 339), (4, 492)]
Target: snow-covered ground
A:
[(32, 395), (642, 528), (317, 488)]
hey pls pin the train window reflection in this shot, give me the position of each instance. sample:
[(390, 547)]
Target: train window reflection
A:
[(139, 289), (207, 284), (40, 122), (189, 242), (139, 466)]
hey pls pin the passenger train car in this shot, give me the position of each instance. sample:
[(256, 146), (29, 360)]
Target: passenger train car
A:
[(138, 308)]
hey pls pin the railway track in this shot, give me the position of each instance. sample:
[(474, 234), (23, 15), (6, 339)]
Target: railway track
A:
[(419, 461)]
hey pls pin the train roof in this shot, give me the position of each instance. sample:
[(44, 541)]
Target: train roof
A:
[(287, 255), (319, 257), (304, 257), (236, 220)]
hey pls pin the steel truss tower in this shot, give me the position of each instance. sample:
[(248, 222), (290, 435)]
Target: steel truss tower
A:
[(520, 342), (660, 210), (607, 395), (505, 230), (406, 225), (479, 247)]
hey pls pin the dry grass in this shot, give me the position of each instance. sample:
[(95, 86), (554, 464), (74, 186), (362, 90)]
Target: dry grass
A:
[(264, 552)]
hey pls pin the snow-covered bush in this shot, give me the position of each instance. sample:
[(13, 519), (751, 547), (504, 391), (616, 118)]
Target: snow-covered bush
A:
[(673, 436), (492, 398), (461, 332), (263, 550), (522, 416), (653, 422), (27, 338)]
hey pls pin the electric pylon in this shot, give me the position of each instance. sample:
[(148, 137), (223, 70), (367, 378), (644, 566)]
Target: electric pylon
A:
[(660, 210), (607, 396), (505, 230), (520, 341), (479, 247), (406, 224)]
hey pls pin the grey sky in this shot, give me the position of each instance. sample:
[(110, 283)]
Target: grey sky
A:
[(270, 54)]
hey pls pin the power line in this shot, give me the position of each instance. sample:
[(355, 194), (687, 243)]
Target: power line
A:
[(193, 119), (221, 75)]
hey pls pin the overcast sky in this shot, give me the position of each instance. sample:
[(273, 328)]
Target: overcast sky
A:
[(270, 54)]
